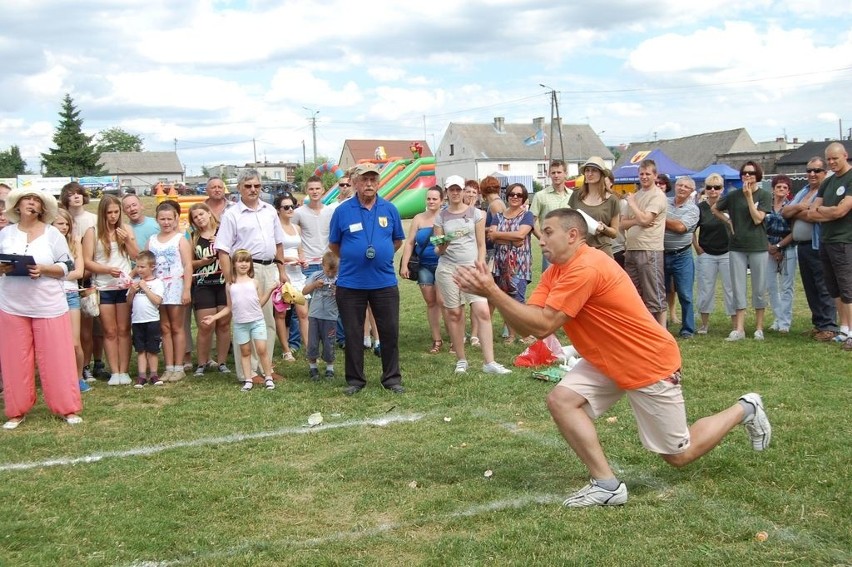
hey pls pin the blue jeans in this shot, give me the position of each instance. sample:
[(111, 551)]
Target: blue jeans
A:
[(680, 267), (779, 283)]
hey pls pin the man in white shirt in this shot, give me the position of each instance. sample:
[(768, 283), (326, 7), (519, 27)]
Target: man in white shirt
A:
[(254, 226)]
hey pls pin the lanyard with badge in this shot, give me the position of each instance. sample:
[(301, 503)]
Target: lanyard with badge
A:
[(370, 253)]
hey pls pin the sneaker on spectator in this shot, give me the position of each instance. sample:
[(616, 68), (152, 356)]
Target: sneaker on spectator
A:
[(461, 367), (702, 330), (758, 335), (313, 374), (839, 338), (223, 368), (247, 385), (757, 426), (114, 380), (124, 379), (594, 495), (735, 336), (87, 375), (495, 368), (199, 371), (140, 382), (155, 380), (84, 387), (329, 374)]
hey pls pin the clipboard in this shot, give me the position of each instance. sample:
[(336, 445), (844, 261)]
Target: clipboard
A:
[(19, 263)]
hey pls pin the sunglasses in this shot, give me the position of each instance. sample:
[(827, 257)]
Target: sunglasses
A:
[(344, 185), (815, 170), (518, 195), (287, 207), (252, 186), (752, 173), (713, 187)]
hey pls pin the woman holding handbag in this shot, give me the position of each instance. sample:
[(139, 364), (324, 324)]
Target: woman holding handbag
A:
[(510, 232), (418, 244)]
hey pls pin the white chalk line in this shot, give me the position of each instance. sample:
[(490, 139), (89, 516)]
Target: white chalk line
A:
[(355, 534), (225, 440)]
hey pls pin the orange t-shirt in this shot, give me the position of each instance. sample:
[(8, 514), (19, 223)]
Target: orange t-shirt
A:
[(609, 325)]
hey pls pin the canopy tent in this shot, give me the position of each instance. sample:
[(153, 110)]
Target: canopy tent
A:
[(630, 170), (730, 175)]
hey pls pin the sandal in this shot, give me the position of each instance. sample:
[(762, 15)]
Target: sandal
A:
[(474, 342), (288, 357), (509, 341), (436, 347)]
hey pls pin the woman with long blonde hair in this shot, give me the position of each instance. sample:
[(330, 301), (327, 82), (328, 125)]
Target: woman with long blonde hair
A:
[(108, 249)]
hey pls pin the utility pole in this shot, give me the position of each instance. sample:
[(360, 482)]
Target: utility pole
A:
[(313, 129), (254, 150), (175, 145), (554, 116), (304, 155)]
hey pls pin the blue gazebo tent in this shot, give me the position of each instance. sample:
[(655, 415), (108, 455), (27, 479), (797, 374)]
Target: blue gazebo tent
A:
[(728, 173), (629, 172)]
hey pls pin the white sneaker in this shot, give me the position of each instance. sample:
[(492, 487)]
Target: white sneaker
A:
[(461, 367), (114, 380), (758, 335), (758, 428), (125, 379), (248, 385), (223, 368), (199, 371), (594, 495), (735, 336), (495, 368)]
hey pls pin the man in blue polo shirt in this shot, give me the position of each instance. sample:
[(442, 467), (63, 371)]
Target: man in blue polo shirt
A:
[(365, 232)]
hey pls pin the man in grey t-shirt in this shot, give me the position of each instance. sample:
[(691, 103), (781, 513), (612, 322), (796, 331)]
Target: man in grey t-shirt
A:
[(679, 266)]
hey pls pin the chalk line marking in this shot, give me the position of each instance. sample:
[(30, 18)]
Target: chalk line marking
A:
[(355, 534), (227, 439)]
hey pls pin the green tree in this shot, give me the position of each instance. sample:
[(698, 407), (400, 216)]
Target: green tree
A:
[(118, 140), (74, 154), (11, 162), (205, 171)]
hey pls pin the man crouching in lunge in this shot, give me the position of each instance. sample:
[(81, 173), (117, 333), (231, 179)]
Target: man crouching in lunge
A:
[(624, 350)]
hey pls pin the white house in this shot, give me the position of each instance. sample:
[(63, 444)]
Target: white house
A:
[(516, 152)]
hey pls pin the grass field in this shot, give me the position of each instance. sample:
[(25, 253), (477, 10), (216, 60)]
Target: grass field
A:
[(198, 473)]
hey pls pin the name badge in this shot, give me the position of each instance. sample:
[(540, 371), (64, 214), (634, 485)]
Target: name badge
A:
[(841, 191), (355, 227)]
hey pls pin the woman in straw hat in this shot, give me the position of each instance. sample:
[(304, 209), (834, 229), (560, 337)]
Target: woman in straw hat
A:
[(34, 312)]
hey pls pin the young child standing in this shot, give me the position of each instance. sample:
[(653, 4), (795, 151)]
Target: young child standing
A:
[(145, 297), (245, 301), (174, 267), (322, 316)]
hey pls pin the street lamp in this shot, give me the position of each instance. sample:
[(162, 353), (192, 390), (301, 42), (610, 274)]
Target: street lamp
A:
[(313, 129)]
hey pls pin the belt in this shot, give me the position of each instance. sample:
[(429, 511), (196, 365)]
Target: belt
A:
[(262, 262), (678, 251)]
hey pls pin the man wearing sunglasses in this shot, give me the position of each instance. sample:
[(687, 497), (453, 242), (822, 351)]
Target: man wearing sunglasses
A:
[(833, 209), (806, 236), (253, 225)]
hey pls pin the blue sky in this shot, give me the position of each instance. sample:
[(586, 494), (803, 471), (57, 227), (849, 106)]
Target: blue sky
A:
[(216, 75)]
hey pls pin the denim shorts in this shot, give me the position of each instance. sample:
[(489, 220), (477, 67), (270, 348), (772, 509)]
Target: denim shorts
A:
[(73, 298), (113, 296), (426, 275), (253, 330)]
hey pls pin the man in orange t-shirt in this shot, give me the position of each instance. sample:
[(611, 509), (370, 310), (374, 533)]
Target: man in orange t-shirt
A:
[(625, 352)]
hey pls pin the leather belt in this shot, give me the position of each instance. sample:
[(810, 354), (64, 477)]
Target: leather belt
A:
[(262, 262), (678, 251)]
